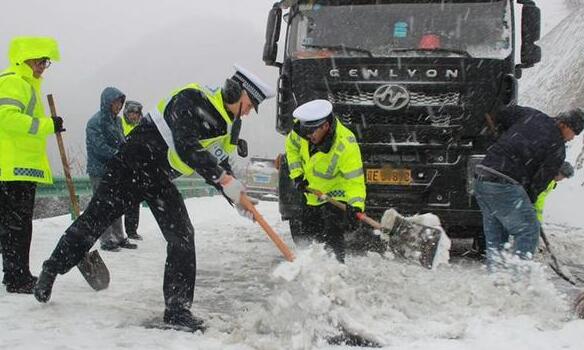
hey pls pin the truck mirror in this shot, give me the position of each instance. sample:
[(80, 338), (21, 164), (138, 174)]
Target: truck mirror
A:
[(242, 148), (272, 35), (530, 33)]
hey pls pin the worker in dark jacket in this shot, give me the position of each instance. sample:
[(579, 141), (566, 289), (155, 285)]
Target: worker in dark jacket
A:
[(191, 130), (516, 169), (104, 137)]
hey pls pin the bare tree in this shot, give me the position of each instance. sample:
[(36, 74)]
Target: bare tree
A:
[(77, 159)]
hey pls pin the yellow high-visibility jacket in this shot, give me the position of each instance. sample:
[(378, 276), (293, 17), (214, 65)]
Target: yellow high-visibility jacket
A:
[(220, 146), (24, 126), (337, 173), (540, 201), (127, 127)]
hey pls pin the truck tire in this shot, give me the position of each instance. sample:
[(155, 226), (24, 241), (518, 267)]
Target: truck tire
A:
[(300, 239), (479, 243)]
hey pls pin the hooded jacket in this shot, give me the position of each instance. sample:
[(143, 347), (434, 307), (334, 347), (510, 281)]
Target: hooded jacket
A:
[(24, 125), (103, 134)]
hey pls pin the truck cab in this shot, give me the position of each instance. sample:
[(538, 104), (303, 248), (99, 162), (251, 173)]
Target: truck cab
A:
[(415, 81)]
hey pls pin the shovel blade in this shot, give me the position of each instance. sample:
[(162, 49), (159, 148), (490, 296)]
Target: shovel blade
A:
[(411, 240), (94, 270)]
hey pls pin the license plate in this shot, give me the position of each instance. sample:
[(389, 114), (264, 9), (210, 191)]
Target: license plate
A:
[(261, 179), (389, 176)]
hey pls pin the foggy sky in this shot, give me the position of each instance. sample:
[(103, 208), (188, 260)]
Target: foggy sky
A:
[(149, 48)]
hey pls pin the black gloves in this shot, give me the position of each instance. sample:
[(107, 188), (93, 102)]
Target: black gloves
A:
[(351, 214), (300, 184), (58, 124)]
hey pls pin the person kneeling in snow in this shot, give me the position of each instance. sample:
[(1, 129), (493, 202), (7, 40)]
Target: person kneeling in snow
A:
[(189, 131), (323, 155)]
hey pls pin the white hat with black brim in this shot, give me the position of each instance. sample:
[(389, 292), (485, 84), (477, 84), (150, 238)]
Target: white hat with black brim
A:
[(314, 113), (257, 89)]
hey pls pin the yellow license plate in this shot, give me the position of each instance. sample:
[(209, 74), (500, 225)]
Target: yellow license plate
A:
[(389, 176)]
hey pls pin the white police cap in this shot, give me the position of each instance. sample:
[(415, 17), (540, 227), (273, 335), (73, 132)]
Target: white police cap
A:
[(257, 89), (313, 113)]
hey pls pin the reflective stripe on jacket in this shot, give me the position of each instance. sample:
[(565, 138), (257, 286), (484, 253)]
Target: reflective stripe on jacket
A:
[(24, 127), (540, 202), (338, 173), (220, 147)]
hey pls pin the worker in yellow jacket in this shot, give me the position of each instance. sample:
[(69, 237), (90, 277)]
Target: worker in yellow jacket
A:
[(323, 155), (24, 128), (131, 117), (566, 172)]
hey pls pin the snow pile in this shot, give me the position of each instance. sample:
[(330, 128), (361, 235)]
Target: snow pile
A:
[(397, 304)]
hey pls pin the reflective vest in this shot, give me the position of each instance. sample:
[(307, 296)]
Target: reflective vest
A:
[(540, 201), (220, 147), (24, 127), (338, 173), (127, 127)]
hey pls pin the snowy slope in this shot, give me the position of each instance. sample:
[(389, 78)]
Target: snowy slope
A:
[(557, 82), (252, 299), (553, 85)]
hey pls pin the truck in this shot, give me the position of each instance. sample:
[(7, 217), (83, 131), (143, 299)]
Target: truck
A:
[(415, 80), (261, 178)]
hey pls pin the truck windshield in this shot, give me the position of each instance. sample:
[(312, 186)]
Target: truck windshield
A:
[(401, 29)]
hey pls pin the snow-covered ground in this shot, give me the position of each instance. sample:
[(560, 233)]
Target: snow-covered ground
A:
[(253, 299)]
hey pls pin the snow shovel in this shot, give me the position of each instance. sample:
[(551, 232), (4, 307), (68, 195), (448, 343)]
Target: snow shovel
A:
[(247, 204), (92, 267), (406, 238)]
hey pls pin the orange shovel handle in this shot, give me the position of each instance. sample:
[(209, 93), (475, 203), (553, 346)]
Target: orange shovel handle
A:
[(360, 216), (269, 230)]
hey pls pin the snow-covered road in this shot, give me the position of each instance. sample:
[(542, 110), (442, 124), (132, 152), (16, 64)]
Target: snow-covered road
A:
[(253, 299)]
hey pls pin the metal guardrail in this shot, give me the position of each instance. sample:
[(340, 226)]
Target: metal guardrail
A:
[(188, 187), (53, 199)]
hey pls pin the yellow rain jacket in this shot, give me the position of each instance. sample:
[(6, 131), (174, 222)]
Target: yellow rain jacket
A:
[(24, 126), (338, 173)]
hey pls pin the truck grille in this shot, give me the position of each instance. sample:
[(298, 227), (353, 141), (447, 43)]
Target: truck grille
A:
[(417, 99)]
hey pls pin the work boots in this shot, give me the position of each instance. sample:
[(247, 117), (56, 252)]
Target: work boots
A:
[(134, 236), (44, 286), (22, 287), (183, 319), (127, 244)]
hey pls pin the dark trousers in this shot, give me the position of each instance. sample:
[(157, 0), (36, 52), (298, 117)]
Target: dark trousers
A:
[(132, 177), (131, 219), (16, 209), (326, 224)]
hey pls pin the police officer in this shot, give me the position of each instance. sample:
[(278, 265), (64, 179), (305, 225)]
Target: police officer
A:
[(188, 131), (323, 155), (24, 127), (130, 119)]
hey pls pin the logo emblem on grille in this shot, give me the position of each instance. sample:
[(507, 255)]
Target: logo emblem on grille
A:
[(391, 97)]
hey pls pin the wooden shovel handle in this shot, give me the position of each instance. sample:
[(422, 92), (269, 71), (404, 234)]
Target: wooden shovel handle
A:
[(360, 216), (65, 162), (247, 204)]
